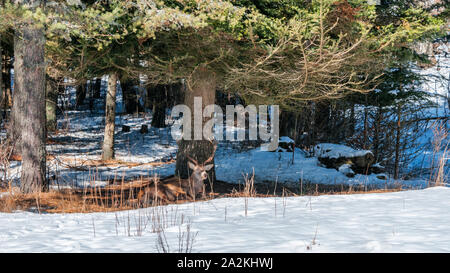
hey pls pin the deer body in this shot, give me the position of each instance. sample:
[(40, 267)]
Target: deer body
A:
[(175, 188)]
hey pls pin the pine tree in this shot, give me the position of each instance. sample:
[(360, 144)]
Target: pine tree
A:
[(29, 101)]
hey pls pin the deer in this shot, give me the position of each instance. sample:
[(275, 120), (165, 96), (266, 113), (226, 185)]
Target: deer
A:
[(175, 188)]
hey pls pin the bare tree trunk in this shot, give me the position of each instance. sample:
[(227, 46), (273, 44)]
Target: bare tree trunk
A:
[(97, 88), (377, 131), (7, 82), (1, 80), (397, 143), (204, 86), (130, 96), (91, 95), (18, 100), (352, 121), (14, 135), (322, 122), (159, 94), (110, 115), (51, 104), (29, 103), (80, 94), (5, 85), (366, 125)]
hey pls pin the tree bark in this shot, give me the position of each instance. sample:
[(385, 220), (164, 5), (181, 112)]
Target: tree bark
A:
[(366, 125), (29, 104), (352, 121), (377, 132), (159, 94), (203, 85), (110, 115), (130, 96), (6, 101), (397, 143), (97, 88), (322, 121), (51, 104), (8, 83), (80, 94), (7, 96), (289, 125), (1, 80), (18, 100)]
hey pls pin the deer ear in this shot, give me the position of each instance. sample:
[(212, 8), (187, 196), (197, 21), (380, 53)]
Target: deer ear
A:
[(209, 167), (191, 165)]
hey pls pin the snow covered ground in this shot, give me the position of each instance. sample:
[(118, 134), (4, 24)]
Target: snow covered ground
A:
[(283, 168), (408, 221)]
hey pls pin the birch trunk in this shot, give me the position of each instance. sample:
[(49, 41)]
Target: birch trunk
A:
[(110, 115)]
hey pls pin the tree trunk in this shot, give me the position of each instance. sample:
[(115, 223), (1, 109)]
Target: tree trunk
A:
[(352, 121), (18, 100), (366, 125), (377, 132), (1, 80), (397, 143), (51, 104), (97, 88), (159, 94), (90, 88), (322, 121), (6, 84), (289, 125), (130, 96), (29, 104), (203, 85), (110, 115), (80, 94)]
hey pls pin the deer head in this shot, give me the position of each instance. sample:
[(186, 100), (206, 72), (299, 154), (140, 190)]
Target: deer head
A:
[(199, 172)]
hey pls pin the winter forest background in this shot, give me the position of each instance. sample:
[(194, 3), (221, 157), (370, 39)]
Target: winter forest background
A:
[(87, 89)]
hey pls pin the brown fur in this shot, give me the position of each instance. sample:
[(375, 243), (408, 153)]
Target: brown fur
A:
[(168, 190), (174, 188)]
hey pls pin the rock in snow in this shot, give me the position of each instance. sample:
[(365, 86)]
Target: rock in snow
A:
[(335, 156)]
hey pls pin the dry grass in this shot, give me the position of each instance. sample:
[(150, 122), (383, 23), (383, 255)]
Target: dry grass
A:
[(186, 240), (440, 146), (262, 190), (94, 199), (16, 157), (125, 196), (77, 164), (65, 201)]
